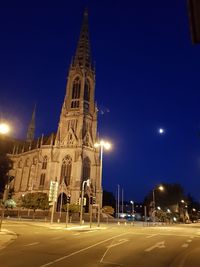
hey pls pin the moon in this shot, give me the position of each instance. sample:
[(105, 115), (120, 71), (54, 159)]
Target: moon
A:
[(161, 131)]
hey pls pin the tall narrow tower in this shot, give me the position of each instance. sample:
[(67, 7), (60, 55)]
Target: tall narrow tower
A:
[(77, 129), (31, 128)]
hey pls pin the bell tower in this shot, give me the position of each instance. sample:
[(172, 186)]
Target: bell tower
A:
[(78, 120), (77, 129)]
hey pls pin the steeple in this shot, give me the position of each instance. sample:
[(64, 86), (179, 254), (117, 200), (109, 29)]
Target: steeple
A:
[(31, 127), (83, 56)]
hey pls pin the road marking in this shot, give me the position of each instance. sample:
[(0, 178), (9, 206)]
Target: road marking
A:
[(90, 231), (31, 244), (150, 236), (81, 250), (185, 245), (77, 234), (121, 241), (157, 245), (189, 240)]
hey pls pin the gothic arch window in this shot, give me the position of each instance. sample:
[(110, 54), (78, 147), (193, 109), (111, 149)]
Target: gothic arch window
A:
[(42, 179), (35, 160), (44, 163), (87, 90), (20, 164), (86, 168), (27, 162), (66, 169), (76, 89)]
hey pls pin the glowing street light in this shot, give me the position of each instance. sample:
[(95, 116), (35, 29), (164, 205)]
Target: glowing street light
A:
[(161, 188), (132, 203), (103, 145), (4, 128)]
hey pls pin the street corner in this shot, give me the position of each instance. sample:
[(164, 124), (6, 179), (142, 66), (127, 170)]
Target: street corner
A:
[(6, 237)]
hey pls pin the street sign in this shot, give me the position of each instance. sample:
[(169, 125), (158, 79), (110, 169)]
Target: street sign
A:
[(53, 191)]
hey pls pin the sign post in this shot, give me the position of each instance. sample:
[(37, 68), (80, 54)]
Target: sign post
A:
[(53, 196)]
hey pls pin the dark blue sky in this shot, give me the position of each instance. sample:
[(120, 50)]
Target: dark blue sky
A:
[(147, 75)]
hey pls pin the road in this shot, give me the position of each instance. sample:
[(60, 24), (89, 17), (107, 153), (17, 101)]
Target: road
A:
[(112, 245)]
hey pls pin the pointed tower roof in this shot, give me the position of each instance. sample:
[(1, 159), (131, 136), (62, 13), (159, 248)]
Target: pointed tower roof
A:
[(83, 55), (31, 127)]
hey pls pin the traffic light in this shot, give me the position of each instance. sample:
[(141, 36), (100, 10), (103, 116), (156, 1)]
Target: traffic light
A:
[(68, 199)]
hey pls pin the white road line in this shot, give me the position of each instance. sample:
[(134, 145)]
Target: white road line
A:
[(150, 236), (31, 244), (157, 245), (119, 243), (189, 240), (185, 245), (90, 231), (77, 234), (81, 250)]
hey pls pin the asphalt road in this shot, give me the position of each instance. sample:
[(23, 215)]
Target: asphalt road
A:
[(115, 245)]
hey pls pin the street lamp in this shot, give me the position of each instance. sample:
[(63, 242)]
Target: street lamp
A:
[(82, 192), (4, 128), (161, 188), (132, 203), (102, 144)]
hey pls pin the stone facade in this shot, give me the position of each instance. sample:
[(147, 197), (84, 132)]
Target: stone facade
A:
[(69, 156)]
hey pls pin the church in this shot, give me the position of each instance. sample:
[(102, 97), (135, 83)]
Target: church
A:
[(69, 156)]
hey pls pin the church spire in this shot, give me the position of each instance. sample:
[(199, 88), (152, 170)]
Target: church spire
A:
[(31, 127), (83, 56)]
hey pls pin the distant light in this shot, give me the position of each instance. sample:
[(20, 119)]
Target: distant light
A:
[(4, 128), (159, 208), (161, 131), (161, 188), (175, 219)]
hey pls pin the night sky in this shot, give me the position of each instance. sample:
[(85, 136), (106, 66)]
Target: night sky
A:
[(147, 77)]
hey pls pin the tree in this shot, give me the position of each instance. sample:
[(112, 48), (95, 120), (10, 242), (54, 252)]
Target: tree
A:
[(170, 197), (37, 200), (108, 210), (5, 166), (109, 199)]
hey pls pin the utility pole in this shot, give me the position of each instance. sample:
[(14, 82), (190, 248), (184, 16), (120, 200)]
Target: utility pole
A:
[(118, 188)]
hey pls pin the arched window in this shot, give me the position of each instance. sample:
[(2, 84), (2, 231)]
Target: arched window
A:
[(66, 168), (27, 162), (87, 90), (35, 160), (44, 163), (20, 163), (86, 169), (76, 89), (42, 179)]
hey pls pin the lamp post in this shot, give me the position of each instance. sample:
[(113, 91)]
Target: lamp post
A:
[(82, 192), (102, 144), (132, 205), (161, 188)]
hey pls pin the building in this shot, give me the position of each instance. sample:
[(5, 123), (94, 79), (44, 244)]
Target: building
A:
[(69, 156)]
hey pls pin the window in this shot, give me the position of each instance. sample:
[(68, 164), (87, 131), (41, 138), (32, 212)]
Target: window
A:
[(42, 179), (44, 163), (66, 168), (20, 163), (86, 169), (76, 89), (87, 90)]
